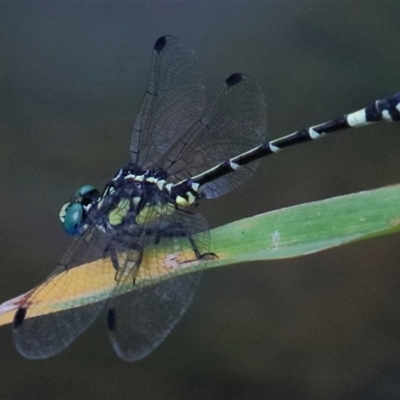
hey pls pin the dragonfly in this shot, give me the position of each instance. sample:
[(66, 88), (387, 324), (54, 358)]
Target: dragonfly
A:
[(181, 152)]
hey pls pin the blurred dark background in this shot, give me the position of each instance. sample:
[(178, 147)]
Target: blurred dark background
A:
[(72, 76)]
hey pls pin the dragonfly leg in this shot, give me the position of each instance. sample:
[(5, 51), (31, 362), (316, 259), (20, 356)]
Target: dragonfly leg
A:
[(178, 230), (125, 260), (201, 256)]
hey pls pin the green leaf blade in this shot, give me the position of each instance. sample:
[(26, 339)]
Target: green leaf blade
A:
[(308, 228)]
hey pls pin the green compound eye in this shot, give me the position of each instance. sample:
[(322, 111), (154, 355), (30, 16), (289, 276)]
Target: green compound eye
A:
[(84, 190), (71, 216)]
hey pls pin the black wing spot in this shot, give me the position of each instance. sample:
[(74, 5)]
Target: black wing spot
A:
[(19, 317), (111, 319), (234, 79), (160, 44)]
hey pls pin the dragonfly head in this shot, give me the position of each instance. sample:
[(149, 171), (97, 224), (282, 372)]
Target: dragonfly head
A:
[(73, 214)]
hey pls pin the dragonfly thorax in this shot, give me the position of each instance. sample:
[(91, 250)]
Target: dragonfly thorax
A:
[(132, 198)]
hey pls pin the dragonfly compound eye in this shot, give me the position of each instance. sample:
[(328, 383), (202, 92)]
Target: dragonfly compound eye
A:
[(86, 194), (71, 216)]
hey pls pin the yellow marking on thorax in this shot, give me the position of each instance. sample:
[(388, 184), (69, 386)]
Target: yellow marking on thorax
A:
[(116, 216), (150, 212)]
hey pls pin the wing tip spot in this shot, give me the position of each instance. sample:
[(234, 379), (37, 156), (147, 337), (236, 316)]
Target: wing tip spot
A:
[(19, 317), (234, 79), (160, 44), (111, 319)]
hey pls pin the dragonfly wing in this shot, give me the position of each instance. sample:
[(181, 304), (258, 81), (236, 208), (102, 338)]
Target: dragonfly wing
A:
[(234, 123), (45, 336), (139, 320), (173, 102), (65, 305)]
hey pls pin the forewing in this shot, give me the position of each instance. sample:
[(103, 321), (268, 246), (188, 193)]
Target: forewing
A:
[(234, 123), (173, 102), (139, 320), (40, 331)]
